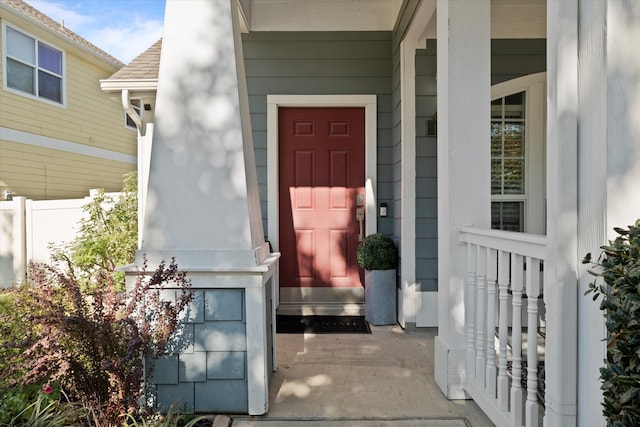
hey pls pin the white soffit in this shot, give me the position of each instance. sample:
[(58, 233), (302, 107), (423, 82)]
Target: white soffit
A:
[(512, 19), (322, 15)]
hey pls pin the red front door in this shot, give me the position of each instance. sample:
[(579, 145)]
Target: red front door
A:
[(321, 187)]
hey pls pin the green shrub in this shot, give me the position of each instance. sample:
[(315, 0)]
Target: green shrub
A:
[(107, 237), (377, 252), (31, 407), (618, 269), (171, 419)]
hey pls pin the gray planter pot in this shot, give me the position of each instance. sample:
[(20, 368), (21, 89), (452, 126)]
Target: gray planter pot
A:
[(380, 296)]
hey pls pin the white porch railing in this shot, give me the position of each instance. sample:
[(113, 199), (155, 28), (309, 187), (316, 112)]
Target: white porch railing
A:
[(505, 323)]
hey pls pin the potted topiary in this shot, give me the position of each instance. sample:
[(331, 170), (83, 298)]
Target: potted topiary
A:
[(378, 255)]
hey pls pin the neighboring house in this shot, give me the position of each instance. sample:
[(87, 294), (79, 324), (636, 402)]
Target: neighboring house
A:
[(60, 135), (529, 140)]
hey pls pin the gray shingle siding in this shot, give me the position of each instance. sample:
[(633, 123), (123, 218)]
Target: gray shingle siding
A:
[(320, 63)]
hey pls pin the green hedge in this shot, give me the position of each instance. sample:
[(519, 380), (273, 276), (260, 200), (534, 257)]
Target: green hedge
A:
[(617, 283)]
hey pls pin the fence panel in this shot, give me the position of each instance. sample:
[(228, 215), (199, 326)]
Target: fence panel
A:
[(13, 252), (28, 228)]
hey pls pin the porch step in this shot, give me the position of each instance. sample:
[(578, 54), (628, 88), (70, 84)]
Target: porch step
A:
[(321, 309)]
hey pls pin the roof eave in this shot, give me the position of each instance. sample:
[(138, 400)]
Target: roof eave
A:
[(138, 85)]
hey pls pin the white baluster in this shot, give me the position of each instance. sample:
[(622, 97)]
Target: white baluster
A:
[(470, 304), (516, 339), (503, 330), (533, 291), (480, 316), (492, 278)]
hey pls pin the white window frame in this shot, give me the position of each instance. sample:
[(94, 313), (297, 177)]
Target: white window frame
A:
[(534, 87), (37, 40), (138, 109)]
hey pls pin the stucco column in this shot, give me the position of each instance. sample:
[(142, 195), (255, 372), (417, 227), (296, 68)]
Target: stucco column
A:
[(202, 208), (464, 194), (202, 201)]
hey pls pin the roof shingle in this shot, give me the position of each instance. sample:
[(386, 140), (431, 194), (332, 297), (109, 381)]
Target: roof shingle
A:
[(143, 67)]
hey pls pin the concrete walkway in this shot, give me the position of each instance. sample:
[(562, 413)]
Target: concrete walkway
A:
[(382, 379)]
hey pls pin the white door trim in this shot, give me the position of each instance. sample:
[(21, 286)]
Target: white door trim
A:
[(369, 103), (413, 307)]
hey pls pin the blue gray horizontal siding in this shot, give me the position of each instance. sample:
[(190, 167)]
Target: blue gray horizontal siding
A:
[(319, 63), (369, 63), (509, 59), (405, 16)]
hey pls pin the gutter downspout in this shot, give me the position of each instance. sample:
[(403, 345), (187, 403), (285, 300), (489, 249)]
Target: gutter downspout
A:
[(144, 158), (128, 108)]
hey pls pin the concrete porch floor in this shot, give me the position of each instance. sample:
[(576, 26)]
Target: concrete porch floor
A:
[(381, 379)]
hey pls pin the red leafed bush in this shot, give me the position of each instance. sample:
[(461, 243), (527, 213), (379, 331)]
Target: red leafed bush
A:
[(92, 343)]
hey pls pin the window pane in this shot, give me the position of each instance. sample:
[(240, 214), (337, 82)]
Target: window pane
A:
[(49, 58), (496, 108), (20, 77), (21, 46), (496, 139), (496, 176), (49, 86), (507, 216), (513, 139), (514, 106), (513, 176)]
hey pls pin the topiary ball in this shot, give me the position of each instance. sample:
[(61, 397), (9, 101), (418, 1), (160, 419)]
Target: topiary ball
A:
[(377, 252)]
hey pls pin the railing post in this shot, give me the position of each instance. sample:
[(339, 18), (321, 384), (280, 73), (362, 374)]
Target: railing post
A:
[(492, 278), (516, 339), (503, 332), (533, 291), (471, 303), (480, 313)]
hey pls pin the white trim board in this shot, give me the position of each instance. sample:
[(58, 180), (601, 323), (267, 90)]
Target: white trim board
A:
[(61, 145), (369, 103)]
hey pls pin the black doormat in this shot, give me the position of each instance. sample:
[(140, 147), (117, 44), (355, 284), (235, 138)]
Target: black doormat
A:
[(322, 325)]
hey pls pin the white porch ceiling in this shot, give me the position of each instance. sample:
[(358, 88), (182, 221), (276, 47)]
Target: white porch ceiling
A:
[(509, 18), (321, 15)]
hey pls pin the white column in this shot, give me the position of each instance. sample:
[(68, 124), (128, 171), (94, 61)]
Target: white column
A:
[(202, 202), (413, 306), (464, 79), (592, 196), (406, 294), (623, 110), (560, 270), (610, 135)]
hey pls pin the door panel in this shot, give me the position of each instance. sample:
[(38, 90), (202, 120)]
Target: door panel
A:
[(321, 173)]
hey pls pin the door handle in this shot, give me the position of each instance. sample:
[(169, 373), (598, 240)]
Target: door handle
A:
[(360, 218)]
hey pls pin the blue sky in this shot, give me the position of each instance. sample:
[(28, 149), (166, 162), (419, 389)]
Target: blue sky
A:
[(122, 28)]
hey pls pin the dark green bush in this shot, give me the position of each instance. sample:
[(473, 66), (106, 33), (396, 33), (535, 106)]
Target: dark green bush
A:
[(618, 269), (377, 252)]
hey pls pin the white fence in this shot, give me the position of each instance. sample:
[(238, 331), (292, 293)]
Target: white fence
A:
[(506, 327), (29, 227)]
